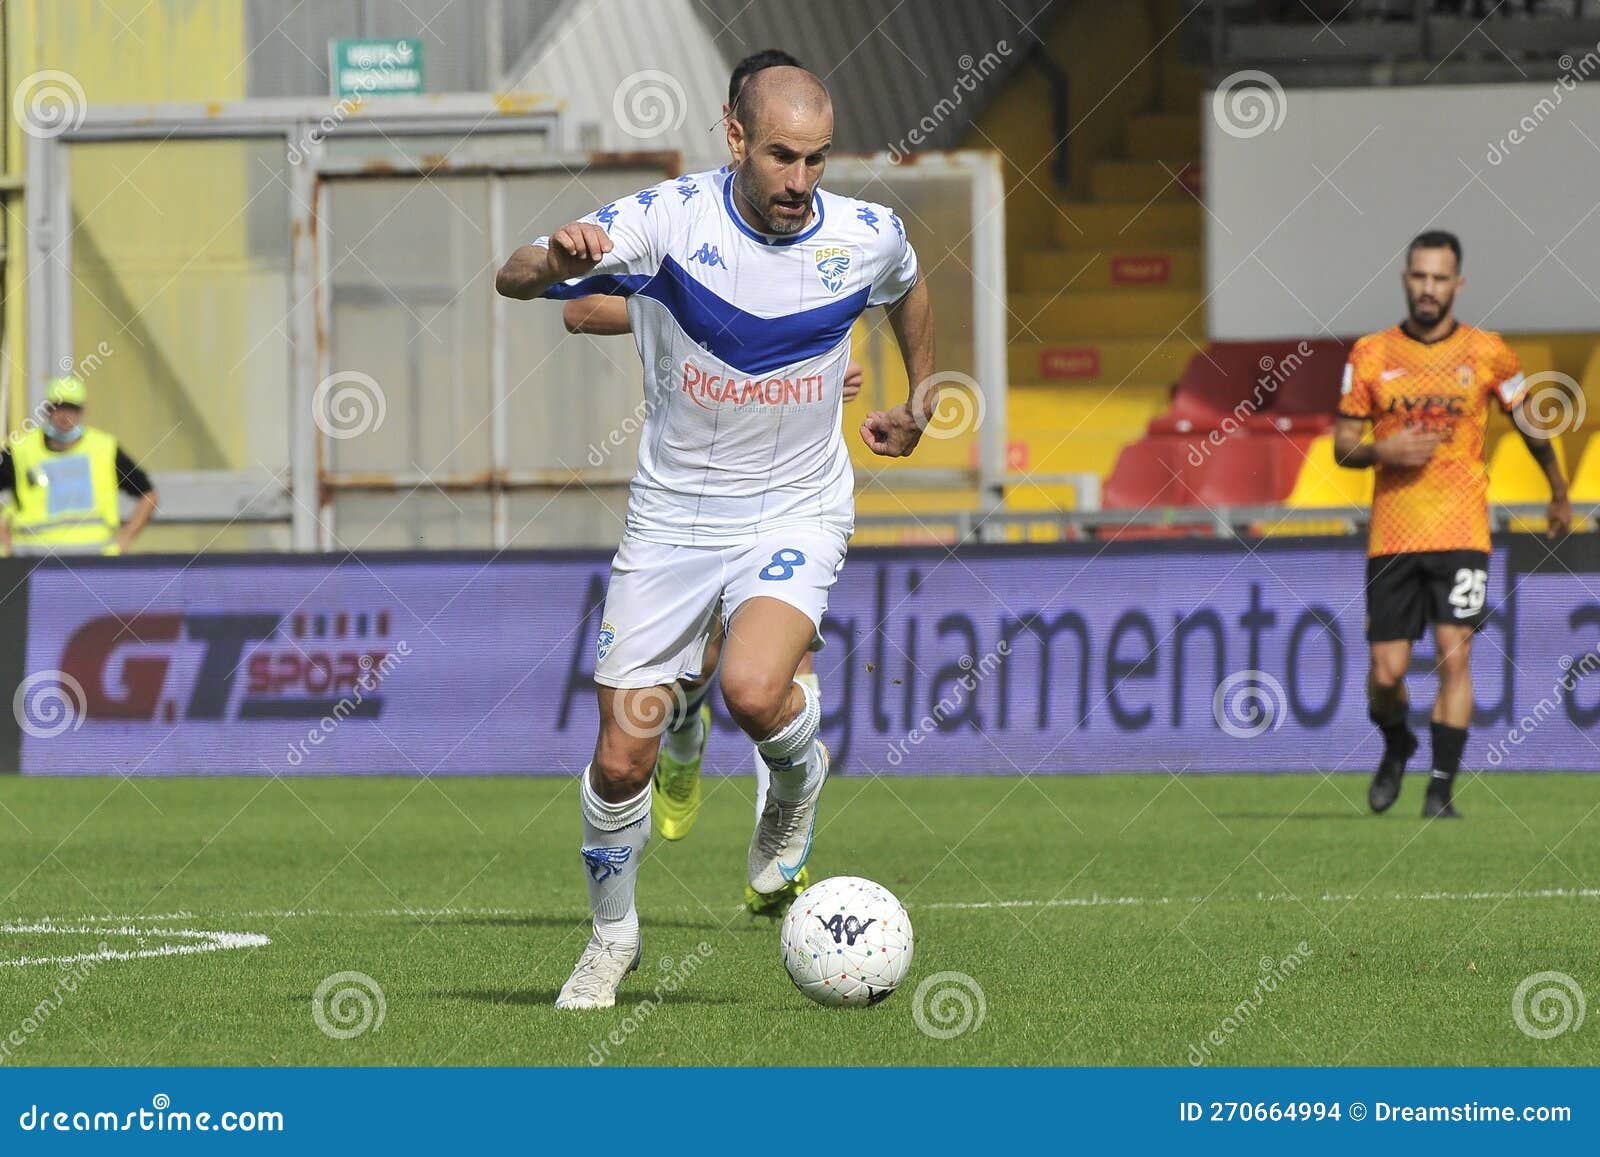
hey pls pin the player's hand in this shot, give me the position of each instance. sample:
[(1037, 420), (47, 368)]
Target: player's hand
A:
[(577, 248), (1407, 450), (1560, 516), (853, 377), (893, 433)]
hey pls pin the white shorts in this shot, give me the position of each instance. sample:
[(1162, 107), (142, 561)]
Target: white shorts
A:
[(664, 601)]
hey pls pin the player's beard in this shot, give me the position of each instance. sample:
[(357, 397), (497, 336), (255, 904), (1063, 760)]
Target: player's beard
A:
[(1425, 315), (762, 204)]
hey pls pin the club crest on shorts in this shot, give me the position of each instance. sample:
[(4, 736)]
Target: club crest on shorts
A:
[(833, 262), (608, 638)]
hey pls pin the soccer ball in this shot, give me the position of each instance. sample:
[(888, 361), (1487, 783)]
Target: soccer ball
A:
[(847, 942)]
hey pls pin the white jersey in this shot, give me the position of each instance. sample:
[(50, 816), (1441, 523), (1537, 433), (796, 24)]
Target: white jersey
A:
[(745, 338)]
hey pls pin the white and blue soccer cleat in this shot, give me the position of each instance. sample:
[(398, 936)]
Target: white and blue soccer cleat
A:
[(782, 840), (593, 983)]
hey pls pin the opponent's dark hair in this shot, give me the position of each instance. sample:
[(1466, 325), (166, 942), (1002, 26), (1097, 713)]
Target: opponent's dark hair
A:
[(1435, 239), (754, 63)]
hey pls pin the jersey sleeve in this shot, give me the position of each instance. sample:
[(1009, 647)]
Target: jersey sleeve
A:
[(1506, 374), (637, 227), (897, 270), (1356, 390)]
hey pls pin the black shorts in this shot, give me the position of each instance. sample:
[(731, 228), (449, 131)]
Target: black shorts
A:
[(1406, 592)]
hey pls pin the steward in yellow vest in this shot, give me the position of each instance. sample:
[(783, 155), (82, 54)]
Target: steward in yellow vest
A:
[(64, 478)]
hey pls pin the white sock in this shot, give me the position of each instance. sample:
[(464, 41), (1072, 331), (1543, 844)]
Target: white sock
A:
[(763, 772), (681, 741), (614, 836), (791, 753)]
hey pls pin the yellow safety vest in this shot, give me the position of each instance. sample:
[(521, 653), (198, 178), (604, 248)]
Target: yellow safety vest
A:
[(65, 498)]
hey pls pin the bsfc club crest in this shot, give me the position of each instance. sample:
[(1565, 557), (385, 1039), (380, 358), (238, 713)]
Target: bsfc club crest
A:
[(833, 262)]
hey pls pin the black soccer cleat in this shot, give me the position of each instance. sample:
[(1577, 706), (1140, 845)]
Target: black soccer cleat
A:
[(1385, 787), (1436, 807)]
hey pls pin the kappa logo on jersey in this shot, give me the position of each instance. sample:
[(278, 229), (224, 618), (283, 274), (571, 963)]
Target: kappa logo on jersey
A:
[(607, 640), (868, 217), (606, 214), (603, 863), (707, 255), (646, 198), (833, 262)]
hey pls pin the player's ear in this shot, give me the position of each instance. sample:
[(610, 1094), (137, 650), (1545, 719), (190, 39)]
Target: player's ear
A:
[(736, 142)]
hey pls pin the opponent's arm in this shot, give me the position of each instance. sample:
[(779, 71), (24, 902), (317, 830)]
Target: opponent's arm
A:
[(895, 433), (1560, 512), (574, 250), (1407, 450), (601, 315)]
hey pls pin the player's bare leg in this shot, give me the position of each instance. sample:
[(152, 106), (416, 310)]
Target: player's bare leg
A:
[(766, 640), (1452, 715), (615, 800), (1387, 705)]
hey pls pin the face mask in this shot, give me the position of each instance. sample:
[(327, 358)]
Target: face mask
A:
[(66, 437)]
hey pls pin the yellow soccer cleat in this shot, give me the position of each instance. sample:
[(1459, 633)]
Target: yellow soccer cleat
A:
[(775, 905), (675, 787)]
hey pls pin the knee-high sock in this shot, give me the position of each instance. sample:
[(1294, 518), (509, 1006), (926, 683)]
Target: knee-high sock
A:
[(684, 732), (1387, 706), (614, 836), (791, 752), (763, 772), (1448, 744)]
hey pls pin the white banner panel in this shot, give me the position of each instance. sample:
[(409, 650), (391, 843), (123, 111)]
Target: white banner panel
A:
[(1313, 194)]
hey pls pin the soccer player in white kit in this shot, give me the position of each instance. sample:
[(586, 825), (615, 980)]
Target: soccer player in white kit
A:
[(742, 289)]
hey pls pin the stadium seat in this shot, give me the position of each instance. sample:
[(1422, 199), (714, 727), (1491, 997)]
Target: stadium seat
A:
[(1514, 477), (1323, 484), (1585, 484), (1148, 474)]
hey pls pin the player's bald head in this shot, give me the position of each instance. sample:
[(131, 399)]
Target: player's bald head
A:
[(781, 96)]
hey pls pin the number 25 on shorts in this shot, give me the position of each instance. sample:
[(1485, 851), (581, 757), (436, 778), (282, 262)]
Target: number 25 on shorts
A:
[(783, 565)]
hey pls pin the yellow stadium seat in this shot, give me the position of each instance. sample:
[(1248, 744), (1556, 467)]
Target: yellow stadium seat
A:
[(1323, 484), (1585, 484), (1515, 477)]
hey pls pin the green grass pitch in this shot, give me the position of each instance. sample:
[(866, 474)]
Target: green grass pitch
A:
[(1106, 920)]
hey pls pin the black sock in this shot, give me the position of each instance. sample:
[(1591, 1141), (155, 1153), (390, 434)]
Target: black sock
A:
[(1448, 744), (1386, 707)]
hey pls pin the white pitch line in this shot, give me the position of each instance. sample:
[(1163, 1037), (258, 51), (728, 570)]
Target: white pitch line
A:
[(1094, 900), (198, 940), (1097, 901)]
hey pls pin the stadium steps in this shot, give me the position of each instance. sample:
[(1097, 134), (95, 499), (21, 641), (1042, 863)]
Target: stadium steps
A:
[(1155, 314), (1144, 180), (1164, 266), (1112, 224), (1107, 364)]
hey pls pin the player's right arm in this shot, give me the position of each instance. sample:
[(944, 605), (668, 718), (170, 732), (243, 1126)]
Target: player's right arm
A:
[(1405, 450), (574, 250)]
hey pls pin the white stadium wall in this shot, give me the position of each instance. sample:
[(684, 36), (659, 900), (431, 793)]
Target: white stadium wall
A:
[(1312, 195)]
